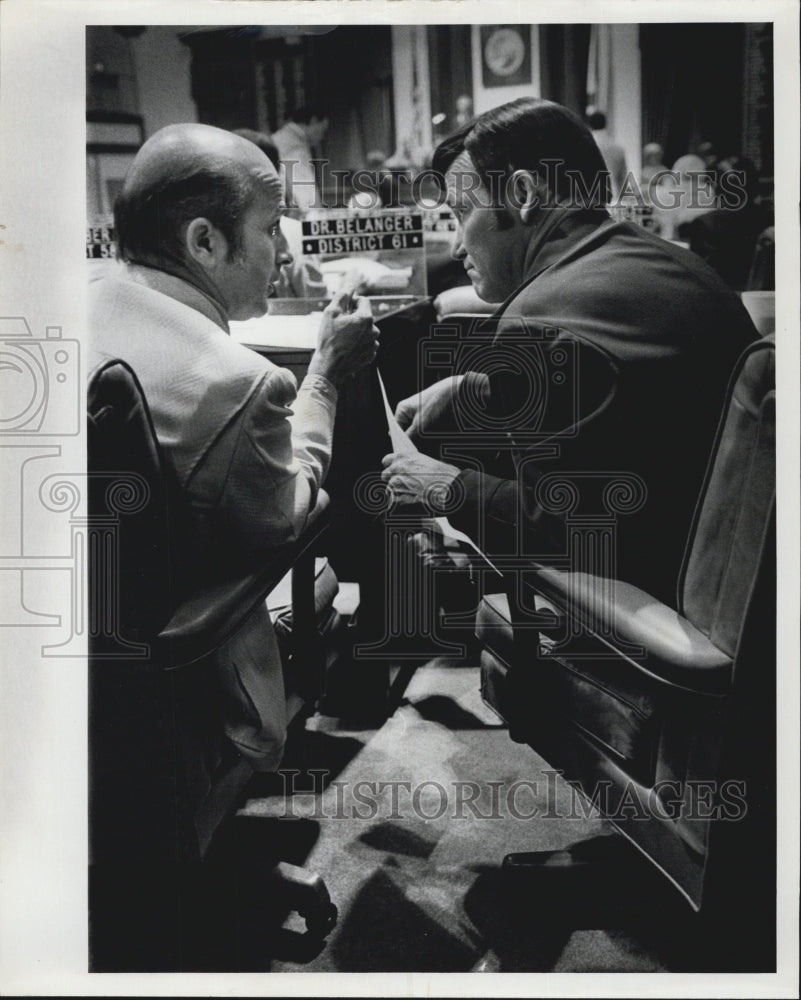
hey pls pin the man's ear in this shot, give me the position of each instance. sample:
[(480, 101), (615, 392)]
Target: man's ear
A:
[(524, 195), (205, 244)]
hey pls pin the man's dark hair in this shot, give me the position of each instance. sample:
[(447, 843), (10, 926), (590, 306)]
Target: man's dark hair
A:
[(150, 222), (536, 135), (264, 142)]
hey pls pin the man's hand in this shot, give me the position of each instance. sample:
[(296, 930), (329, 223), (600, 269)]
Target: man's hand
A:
[(348, 338), (425, 409), (416, 478)]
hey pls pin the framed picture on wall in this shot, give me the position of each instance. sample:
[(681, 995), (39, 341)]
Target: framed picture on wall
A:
[(505, 55)]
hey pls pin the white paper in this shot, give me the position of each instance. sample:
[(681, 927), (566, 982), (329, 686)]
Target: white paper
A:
[(448, 529), (278, 331), (403, 446)]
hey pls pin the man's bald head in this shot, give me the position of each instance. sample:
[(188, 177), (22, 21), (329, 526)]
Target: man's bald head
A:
[(181, 173)]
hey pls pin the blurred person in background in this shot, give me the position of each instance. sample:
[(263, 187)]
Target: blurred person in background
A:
[(613, 154), (652, 164), (726, 236), (681, 195), (297, 141)]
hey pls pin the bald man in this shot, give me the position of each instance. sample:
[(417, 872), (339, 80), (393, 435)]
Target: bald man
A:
[(198, 230)]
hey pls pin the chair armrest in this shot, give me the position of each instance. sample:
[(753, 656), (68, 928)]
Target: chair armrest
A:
[(462, 299), (208, 618), (617, 613)]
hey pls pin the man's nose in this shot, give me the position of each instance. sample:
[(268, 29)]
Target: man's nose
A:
[(458, 251), (283, 257)]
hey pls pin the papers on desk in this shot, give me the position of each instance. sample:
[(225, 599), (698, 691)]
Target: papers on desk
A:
[(402, 445), (365, 274), (278, 331)]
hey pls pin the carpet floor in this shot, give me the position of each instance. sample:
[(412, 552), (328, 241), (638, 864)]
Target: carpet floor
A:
[(409, 822)]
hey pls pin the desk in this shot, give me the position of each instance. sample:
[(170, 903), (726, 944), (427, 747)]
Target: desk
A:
[(287, 335)]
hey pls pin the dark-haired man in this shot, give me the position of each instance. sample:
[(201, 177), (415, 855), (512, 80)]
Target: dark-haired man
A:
[(198, 227), (612, 353)]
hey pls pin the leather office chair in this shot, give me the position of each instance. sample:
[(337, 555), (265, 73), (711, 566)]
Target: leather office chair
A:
[(163, 776), (665, 716), (762, 276), (462, 300)]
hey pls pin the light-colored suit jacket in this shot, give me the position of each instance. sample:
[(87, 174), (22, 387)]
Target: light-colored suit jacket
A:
[(248, 450)]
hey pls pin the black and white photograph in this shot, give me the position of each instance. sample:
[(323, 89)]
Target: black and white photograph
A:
[(399, 558)]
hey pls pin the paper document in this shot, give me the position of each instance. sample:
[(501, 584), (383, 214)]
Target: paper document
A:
[(403, 446), (278, 331), (448, 529)]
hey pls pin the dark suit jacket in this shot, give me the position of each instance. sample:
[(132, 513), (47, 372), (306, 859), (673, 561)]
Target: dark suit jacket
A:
[(611, 358)]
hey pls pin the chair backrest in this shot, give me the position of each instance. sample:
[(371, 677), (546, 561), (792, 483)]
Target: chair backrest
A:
[(162, 771), (761, 306), (123, 460), (138, 810), (732, 521), (762, 276)]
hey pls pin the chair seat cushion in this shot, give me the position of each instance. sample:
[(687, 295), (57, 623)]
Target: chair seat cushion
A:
[(609, 701), (493, 626), (669, 646)]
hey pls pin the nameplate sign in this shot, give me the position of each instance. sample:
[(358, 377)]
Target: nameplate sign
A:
[(381, 252), (100, 241), (363, 233)]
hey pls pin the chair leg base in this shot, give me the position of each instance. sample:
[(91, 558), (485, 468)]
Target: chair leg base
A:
[(305, 892), (597, 853), (599, 866)]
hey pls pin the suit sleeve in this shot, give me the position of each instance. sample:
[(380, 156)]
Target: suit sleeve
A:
[(281, 457), (558, 386)]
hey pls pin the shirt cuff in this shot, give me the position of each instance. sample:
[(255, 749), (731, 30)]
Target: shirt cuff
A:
[(319, 382)]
